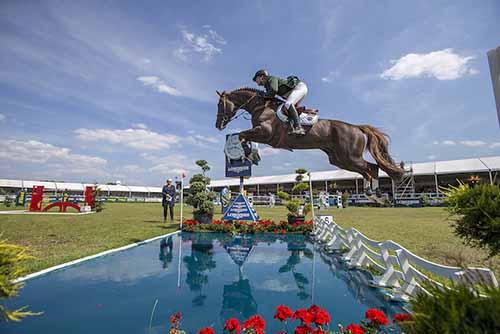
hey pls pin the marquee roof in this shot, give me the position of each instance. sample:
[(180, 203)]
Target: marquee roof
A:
[(475, 165)]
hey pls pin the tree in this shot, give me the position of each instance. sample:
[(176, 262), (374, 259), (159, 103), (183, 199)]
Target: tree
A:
[(204, 166)]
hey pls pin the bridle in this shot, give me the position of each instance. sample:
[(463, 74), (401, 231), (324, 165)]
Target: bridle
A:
[(225, 118)]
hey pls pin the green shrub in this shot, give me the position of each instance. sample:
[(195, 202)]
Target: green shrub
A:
[(477, 212), (201, 199), (425, 200), (293, 204), (11, 257), (283, 195), (459, 309)]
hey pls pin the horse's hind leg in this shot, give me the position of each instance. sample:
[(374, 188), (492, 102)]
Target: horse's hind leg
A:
[(357, 164)]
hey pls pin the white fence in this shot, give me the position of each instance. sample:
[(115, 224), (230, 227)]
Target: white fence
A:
[(400, 270)]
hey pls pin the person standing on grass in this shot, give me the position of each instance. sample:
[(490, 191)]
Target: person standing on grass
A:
[(168, 201)]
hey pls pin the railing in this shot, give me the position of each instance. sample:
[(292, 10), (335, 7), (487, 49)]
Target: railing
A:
[(400, 270)]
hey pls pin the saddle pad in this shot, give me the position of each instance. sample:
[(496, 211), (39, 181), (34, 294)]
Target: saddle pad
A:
[(304, 118)]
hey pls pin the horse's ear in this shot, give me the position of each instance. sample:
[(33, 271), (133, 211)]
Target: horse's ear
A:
[(218, 93)]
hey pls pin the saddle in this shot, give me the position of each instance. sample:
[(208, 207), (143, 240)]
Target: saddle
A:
[(302, 109)]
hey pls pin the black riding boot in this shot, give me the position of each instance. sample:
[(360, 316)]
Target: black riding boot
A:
[(296, 126)]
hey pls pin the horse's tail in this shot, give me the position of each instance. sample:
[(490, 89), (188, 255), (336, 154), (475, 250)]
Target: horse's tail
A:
[(378, 146)]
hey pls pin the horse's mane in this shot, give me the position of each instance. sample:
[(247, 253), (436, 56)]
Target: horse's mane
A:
[(250, 89)]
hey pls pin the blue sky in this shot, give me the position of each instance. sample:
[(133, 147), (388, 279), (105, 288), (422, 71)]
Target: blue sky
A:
[(115, 90)]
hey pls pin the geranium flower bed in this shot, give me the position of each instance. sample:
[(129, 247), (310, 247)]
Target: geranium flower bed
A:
[(312, 320), (260, 226)]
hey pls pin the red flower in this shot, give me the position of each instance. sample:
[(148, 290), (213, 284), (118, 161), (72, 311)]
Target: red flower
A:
[(319, 331), (176, 317), (206, 330), (232, 325), (304, 315), (400, 317), (304, 329), (377, 317), (354, 329), (256, 322), (321, 317), (283, 312)]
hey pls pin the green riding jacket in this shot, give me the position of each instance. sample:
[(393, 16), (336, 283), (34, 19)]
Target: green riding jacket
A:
[(278, 86)]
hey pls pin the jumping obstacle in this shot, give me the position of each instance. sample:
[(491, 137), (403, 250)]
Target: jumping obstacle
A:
[(37, 200), (400, 271)]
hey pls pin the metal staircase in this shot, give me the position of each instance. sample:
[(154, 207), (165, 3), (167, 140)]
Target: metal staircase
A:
[(406, 187)]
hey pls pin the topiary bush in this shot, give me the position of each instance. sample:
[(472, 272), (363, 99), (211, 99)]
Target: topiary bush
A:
[(293, 204), (201, 198), (477, 213)]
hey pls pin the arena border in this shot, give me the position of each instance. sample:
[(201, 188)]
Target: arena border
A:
[(90, 257)]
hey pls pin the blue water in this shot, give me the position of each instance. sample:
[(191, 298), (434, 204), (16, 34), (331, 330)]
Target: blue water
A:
[(221, 276)]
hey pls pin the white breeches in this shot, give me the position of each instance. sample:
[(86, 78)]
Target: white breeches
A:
[(296, 95)]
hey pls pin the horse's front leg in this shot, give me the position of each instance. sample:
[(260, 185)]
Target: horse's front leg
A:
[(257, 134)]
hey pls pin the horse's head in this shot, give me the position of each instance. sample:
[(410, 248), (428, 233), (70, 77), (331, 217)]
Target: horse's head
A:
[(225, 110)]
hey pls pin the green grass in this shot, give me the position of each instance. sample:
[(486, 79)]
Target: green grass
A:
[(58, 239), (54, 240)]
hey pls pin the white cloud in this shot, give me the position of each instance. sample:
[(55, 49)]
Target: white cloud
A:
[(473, 143), (200, 44), (442, 65), (140, 126), (2, 117), (140, 139), (57, 161), (332, 76), (159, 84), (172, 164), (216, 37), (469, 143), (431, 157), (131, 168), (206, 139), (266, 151), (495, 145)]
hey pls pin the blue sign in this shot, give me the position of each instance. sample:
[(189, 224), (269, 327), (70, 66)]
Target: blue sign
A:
[(237, 168), (240, 209)]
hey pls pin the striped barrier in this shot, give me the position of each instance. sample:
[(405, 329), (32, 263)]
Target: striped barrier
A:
[(400, 270)]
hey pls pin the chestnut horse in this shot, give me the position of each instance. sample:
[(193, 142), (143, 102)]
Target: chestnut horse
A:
[(344, 143)]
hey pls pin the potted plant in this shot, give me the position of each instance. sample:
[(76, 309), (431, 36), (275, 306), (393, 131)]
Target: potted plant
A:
[(201, 198), (297, 209)]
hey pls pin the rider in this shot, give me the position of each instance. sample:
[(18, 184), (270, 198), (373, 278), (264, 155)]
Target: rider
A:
[(291, 89)]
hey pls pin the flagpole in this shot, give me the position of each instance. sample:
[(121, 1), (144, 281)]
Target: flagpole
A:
[(311, 195), (182, 198)]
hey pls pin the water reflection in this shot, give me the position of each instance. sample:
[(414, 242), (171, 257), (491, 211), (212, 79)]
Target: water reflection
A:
[(357, 283), (198, 264), (237, 299), (296, 245), (166, 255)]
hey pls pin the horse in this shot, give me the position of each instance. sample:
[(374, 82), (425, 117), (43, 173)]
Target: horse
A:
[(343, 143)]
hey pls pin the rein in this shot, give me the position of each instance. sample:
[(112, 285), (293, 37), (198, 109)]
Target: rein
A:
[(226, 120)]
